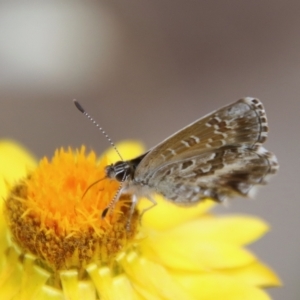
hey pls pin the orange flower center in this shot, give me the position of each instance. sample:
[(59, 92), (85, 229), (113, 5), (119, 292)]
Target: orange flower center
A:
[(55, 213)]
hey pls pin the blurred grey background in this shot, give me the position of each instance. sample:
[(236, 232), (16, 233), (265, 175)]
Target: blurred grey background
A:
[(144, 69)]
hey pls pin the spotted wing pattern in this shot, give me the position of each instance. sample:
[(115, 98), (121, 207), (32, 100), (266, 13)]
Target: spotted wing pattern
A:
[(218, 156)]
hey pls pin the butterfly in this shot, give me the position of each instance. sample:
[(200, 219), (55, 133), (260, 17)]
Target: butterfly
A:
[(218, 156)]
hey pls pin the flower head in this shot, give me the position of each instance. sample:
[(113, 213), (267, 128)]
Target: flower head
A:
[(57, 245)]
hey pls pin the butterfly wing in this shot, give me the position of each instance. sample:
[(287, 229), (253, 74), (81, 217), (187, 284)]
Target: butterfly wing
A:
[(232, 134), (226, 172)]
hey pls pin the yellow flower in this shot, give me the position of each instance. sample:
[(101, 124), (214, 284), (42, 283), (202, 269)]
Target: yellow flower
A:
[(55, 245)]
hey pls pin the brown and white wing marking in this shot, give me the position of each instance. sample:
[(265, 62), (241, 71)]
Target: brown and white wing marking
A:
[(241, 124), (218, 156), (226, 172)]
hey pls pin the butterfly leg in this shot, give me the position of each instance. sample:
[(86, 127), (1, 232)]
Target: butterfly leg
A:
[(132, 207), (153, 204), (111, 205)]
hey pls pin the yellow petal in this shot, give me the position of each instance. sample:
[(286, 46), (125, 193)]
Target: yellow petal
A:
[(122, 289), (167, 215), (145, 294), (15, 162), (33, 278), (3, 237), (212, 287), (128, 149), (109, 287), (70, 284), (49, 293), (154, 278), (87, 290), (10, 275), (256, 274), (102, 280), (236, 230), (186, 254)]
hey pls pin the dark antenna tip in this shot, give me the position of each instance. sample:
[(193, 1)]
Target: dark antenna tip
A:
[(78, 106), (81, 109), (104, 213)]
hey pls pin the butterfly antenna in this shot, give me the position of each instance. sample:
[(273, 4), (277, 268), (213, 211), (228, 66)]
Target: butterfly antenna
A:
[(81, 109)]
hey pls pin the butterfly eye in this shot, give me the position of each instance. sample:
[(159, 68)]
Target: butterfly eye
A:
[(119, 171)]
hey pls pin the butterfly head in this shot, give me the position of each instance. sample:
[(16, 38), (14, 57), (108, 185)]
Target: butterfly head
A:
[(121, 171)]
